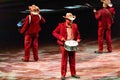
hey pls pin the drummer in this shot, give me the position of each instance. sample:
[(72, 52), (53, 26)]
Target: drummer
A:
[(67, 30)]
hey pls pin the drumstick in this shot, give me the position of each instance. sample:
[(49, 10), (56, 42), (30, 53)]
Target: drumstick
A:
[(89, 5)]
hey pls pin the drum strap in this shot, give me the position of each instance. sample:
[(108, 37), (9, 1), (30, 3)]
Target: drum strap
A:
[(29, 18)]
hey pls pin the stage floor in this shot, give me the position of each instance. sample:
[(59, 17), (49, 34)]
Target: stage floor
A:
[(89, 66)]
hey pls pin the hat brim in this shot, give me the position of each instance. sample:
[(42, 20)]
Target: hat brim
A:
[(72, 18)]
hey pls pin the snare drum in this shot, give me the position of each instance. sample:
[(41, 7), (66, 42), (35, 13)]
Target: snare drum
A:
[(71, 45)]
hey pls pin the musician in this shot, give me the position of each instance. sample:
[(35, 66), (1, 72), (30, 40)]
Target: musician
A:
[(31, 29), (105, 21), (67, 31)]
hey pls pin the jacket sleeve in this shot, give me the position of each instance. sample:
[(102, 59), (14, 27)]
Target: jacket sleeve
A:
[(98, 14), (42, 20), (56, 32), (78, 33), (112, 10), (26, 23)]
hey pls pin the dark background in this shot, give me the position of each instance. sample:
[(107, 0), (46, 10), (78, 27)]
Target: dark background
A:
[(10, 14)]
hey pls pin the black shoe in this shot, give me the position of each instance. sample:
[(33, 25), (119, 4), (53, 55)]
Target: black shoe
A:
[(109, 51), (36, 60), (98, 52), (75, 76), (24, 60), (62, 78)]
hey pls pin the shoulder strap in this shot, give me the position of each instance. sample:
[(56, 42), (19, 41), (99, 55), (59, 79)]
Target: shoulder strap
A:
[(29, 16)]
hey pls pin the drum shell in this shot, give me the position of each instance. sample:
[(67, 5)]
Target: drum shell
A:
[(70, 48)]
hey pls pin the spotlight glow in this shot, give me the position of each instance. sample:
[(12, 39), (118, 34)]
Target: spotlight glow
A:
[(41, 10), (75, 7), (46, 10)]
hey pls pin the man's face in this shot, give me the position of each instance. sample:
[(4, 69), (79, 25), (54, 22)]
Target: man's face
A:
[(69, 22), (104, 5)]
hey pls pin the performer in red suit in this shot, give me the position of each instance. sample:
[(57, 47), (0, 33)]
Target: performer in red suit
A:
[(31, 29), (105, 20), (67, 31)]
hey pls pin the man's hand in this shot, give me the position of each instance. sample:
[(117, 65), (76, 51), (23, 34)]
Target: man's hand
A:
[(62, 39), (78, 40), (94, 10), (110, 5)]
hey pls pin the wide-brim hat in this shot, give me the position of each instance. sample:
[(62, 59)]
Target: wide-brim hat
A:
[(69, 16), (34, 8)]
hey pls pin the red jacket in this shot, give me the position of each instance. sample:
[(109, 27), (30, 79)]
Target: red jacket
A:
[(33, 26), (105, 17), (61, 32)]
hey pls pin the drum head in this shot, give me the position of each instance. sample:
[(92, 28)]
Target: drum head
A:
[(71, 45), (71, 42)]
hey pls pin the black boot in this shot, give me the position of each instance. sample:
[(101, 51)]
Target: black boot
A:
[(62, 78), (75, 76), (98, 52)]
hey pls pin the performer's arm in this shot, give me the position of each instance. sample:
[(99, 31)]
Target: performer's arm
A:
[(78, 35), (26, 23), (97, 14), (56, 33), (42, 19)]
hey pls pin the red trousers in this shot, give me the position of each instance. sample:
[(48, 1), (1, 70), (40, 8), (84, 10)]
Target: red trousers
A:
[(65, 55), (31, 41), (107, 32)]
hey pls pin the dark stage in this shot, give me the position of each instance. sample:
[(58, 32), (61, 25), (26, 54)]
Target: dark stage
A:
[(11, 13), (89, 66)]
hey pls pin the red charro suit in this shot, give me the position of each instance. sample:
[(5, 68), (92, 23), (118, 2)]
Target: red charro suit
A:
[(31, 30), (105, 20), (61, 32)]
